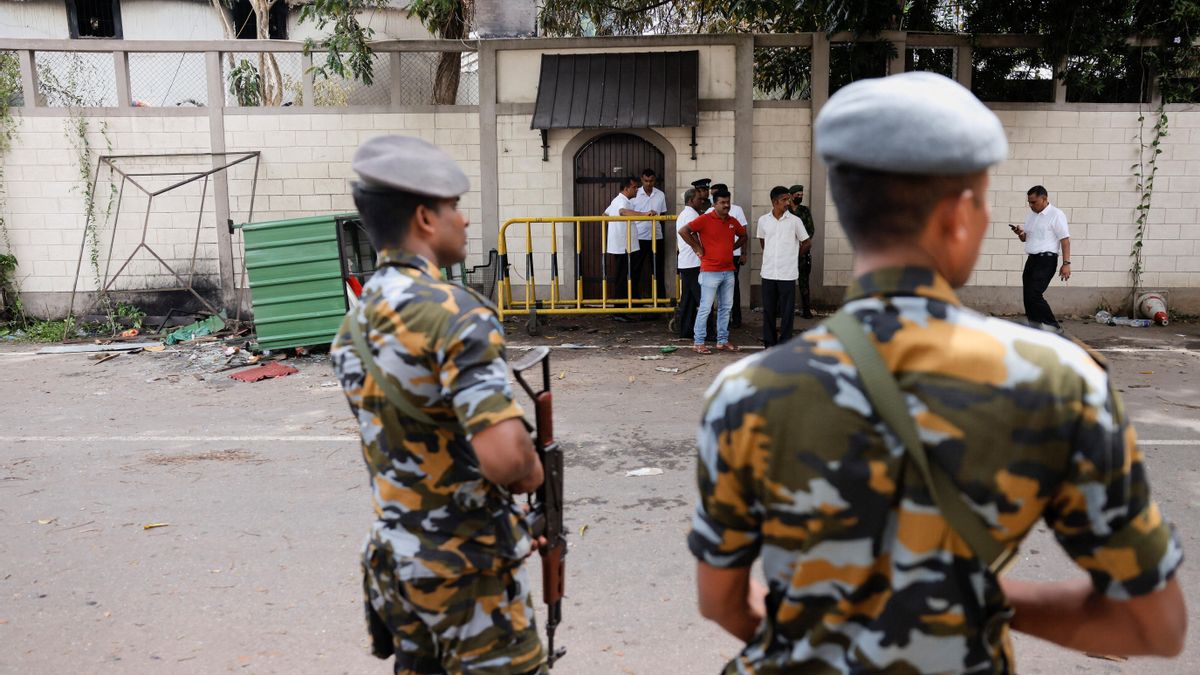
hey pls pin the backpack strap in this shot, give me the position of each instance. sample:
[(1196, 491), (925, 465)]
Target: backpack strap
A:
[(888, 401), (393, 394)]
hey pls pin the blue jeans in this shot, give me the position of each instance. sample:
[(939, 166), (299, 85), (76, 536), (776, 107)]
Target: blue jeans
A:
[(714, 286)]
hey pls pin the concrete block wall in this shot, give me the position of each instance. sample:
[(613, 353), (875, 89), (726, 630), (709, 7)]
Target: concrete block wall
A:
[(782, 156), (305, 164), (44, 205), (1083, 158)]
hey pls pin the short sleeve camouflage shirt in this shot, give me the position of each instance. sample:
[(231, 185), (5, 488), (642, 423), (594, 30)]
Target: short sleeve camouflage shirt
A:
[(443, 347), (863, 572)]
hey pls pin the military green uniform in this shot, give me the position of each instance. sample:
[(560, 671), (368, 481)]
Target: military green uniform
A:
[(863, 572), (801, 211), (442, 565)]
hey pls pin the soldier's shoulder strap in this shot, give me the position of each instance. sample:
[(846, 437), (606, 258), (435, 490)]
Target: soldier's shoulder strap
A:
[(888, 401), (393, 394)]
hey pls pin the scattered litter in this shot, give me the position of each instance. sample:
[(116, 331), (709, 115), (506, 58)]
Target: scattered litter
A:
[(46, 521), (656, 357), (155, 348), (230, 351), (198, 329), (132, 332), (673, 371), (562, 375), (669, 349), (583, 530), (80, 349), (644, 471), (107, 357), (1153, 307), (632, 379), (329, 384), (264, 372), (1145, 372), (151, 526)]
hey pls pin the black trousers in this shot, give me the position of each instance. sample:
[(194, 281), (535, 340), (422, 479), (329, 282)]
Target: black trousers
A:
[(735, 321), (1039, 271), (617, 282), (641, 269), (779, 303), (805, 273), (689, 305)]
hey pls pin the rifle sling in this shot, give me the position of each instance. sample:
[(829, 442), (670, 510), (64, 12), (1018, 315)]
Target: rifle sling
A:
[(888, 401), (394, 395)]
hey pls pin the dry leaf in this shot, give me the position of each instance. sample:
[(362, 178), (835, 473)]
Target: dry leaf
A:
[(151, 526), (632, 378), (583, 530), (1145, 372), (46, 521)]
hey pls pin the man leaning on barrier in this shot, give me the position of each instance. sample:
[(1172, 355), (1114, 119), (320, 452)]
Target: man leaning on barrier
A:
[(422, 363), (886, 464)]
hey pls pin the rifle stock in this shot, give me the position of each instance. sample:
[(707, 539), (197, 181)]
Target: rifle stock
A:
[(546, 514)]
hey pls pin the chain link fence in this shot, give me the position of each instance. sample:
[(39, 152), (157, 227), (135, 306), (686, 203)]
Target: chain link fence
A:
[(76, 79), (335, 91), (269, 79), (170, 79)]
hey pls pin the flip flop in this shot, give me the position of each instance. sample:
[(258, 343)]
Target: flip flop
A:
[(728, 347), (701, 349)]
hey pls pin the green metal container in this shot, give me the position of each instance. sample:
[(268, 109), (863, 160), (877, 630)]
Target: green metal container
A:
[(297, 280)]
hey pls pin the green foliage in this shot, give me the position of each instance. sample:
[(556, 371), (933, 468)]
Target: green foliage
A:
[(246, 84), (347, 48), (39, 331), (1144, 172), (10, 89)]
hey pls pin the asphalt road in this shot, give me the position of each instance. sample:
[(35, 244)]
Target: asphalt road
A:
[(264, 503)]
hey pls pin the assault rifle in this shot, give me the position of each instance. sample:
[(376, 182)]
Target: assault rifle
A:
[(546, 505)]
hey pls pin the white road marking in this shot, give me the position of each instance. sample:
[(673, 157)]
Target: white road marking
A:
[(1144, 350), (1172, 442)]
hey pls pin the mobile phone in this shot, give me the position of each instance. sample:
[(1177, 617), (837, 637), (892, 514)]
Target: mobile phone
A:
[(1012, 227)]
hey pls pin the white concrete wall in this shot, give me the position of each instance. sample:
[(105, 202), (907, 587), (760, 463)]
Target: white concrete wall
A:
[(1083, 158), (34, 19), (170, 20), (782, 156), (45, 205)]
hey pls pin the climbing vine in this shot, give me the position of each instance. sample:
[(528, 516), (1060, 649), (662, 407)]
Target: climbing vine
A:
[(10, 89), (64, 89), (1144, 172)]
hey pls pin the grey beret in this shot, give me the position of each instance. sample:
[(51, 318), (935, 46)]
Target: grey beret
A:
[(409, 164), (912, 123)]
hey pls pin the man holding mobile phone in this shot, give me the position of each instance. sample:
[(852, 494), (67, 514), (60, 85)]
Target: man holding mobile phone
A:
[(1045, 233)]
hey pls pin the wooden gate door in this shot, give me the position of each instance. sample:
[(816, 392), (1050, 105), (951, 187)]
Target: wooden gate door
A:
[(600, 166)]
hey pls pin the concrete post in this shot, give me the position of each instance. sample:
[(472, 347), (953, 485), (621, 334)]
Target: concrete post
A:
[(820, 94)]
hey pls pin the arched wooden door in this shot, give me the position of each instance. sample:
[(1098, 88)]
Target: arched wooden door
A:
[(600, 166)]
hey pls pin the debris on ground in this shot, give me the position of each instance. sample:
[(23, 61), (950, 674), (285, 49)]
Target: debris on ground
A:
[(673, 371), (264, 372), (656, 357), (151, 526), (644, 471), (106, 357), (197, 329), (669, 349), (82, 349)]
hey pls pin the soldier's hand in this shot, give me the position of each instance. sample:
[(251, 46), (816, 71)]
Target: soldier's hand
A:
[(756, 598)]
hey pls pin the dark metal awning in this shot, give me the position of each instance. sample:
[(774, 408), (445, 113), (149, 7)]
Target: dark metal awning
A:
[(618, 91)]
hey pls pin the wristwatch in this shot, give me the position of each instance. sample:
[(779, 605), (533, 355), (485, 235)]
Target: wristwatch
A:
[(1066, 262)]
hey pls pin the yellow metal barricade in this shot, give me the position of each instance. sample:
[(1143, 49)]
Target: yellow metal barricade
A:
[(555, 304)]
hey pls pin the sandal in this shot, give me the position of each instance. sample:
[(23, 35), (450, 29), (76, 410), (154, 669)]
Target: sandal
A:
[(728, 347), (701, 349)]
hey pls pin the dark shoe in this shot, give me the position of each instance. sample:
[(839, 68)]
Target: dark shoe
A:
[(807, 314)]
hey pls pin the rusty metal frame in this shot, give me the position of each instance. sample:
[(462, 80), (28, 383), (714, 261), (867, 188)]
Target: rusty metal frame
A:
[(130, 177)]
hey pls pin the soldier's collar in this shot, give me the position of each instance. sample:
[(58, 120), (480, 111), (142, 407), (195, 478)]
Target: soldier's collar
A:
[(398, 258), (920, 281)]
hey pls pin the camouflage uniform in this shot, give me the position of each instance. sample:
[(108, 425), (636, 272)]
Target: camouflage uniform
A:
[(863, 572), (442, 569), (801, 211)]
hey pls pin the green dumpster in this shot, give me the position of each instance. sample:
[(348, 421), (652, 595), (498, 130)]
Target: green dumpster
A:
[(297, 279)]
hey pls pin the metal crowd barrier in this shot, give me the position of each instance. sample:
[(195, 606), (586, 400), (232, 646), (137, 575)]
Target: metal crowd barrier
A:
[(532, 306)]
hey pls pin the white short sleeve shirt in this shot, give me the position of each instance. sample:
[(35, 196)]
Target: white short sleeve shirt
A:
[(687, 258), (1044, 231), (617, 240), (781, 245), (656, 201)]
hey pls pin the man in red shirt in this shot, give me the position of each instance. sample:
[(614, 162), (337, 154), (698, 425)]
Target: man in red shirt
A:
[(714, 236)]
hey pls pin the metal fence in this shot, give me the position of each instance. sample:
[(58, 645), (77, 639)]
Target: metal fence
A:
[(109, 73)]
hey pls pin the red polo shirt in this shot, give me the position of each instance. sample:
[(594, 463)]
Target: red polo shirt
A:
[(717, 235)]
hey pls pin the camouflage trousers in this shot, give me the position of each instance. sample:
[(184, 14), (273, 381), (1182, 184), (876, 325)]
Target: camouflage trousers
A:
[(480, 623)]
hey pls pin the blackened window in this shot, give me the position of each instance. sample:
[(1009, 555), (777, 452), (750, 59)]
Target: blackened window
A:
[(94, 18)]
